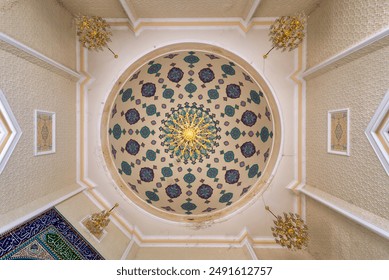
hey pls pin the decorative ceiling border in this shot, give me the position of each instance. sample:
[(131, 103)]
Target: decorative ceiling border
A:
[(15, 47), (365, 46), (118, 220), (136, 24), (377, 132), (359, 215), (181, 23), (10, 131), (268, 173)]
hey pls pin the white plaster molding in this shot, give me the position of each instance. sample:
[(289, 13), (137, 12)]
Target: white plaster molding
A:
[(38, 211), (361, 216), (130, 14), (385, 133), (379, 146), (8, 145), (234, 23), (250, 14), (250, 250), (347, 52), (9, 44), (128, 250)]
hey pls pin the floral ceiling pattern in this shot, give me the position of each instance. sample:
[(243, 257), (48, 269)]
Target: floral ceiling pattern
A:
[(190, 133)]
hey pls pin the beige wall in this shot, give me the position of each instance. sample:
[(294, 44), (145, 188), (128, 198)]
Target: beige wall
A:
[(171, 253), (30, 182), (338, 24), (360, 178), (75, 209), (332, 236), (360, 85), (282, 254), (43, 25), (27, 177)]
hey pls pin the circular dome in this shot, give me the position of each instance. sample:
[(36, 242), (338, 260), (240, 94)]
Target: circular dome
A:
[(190, 134)]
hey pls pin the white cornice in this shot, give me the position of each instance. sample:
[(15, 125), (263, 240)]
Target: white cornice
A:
[(347, 54), (251, 12), (378, 136), (129, 12), (361, 216), (11, 45)]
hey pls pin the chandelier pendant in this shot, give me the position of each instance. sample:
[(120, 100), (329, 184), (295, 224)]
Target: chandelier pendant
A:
[(94, 33)]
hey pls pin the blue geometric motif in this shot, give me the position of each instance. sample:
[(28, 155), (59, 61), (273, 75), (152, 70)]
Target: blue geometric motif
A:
[(11, 242)]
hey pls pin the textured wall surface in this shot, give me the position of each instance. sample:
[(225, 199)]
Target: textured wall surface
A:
[(359, 179), (75, 209), (338, 24), (28, 87), (43, 25), (341, 238), (277, 8), (281, 254), (102, 8), (190, 9), (163, 253)]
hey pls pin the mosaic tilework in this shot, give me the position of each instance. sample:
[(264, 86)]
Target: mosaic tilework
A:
[(46, 237), (186, 87)]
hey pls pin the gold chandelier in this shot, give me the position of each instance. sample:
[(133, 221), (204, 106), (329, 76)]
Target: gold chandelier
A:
[(290, 231), (97, 222), (287, 32), (94, 33)]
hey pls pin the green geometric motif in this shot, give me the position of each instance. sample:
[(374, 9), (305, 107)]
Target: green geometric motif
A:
[(151, 110), (145, 132), (229, 111), (127, 94), (190, 88), (152, 196), (235, 133), (212, 172), (213, 94), (189, 178), (167, 172), (59, 246), (168, 93), (255, 97), (126, 168), (228, 69), (229, 156), (151, 155), (253, 171), (117, 131)]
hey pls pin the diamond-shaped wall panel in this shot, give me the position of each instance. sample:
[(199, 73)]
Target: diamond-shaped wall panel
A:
[(10, 132), (378, 132)]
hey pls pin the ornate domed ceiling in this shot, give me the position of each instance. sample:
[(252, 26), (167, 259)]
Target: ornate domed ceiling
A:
[(190, 134)]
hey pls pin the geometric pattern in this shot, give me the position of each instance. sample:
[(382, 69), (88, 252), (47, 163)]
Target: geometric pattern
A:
[(338, 134), (378, 132), (148, 134), (46, 237), (10, 131)]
